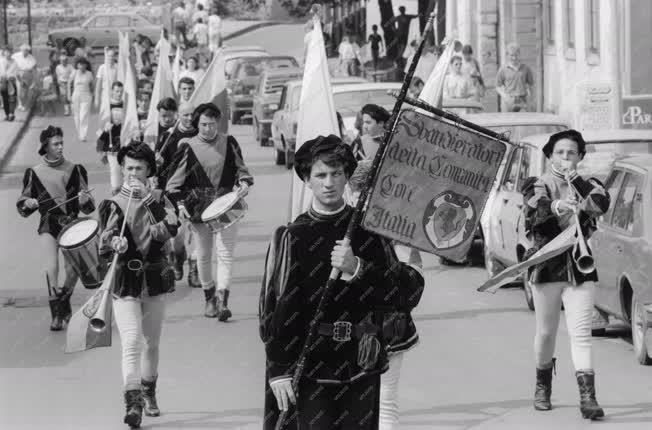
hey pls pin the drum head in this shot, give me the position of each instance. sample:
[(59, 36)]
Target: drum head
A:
[(78, 232), (220, 206)]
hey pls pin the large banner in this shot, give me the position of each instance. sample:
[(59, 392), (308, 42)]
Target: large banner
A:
[(432, 185)]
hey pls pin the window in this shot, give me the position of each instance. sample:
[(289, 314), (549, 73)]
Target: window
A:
[(623, 212), (569, 23), (550, 21), (612, 185), (510, 175), (100, 22), (593, 26), (120, 21), (638, 48), (524, 171)]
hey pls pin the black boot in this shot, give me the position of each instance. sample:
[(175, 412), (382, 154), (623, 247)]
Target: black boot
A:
[(543, 388), (223, 312), (588, 404), (193, 274), (60, 309), (134, 408), (149, 396), (210, 311)]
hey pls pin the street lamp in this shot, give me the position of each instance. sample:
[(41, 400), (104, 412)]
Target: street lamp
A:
[(29, 22), (4, 21)]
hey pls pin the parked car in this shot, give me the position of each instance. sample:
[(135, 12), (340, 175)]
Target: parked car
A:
[(504, 235), (101, 30), (284, 121), (245, 77), (266, 99), (622, 249), (516, 126)]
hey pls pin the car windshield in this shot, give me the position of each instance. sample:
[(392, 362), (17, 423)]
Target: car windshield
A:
[(518, 132), (296, 98), (349, 103), (229, 65)]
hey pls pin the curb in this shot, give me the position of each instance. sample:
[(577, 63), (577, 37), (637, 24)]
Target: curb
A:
[(11, 148)]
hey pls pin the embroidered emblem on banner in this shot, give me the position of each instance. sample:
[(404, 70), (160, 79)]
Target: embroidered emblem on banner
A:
[(449, 219)]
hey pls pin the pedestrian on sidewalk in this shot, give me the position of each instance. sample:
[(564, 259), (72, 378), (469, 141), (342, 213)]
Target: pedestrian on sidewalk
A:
[(45, 187), (8, 84), (206, 167), (112, 71), (139, 294), (214, 31), (26, 76), (166, 147), (456, 84), (81, 90), (47, 92), (471, 69), (515, 82), (64, 72), (200, 34), (349, 56), (340, 387), (180, 23), (554, 201), (377, 46)]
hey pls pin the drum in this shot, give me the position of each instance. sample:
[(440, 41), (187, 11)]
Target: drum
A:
[(224, 212), (79, 241)]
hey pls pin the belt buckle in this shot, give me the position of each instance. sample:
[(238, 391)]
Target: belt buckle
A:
[(342, 331), (135, 265)]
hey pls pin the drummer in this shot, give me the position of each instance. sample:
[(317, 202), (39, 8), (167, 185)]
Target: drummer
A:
[(45, 187), (166, 147), (206, 167)]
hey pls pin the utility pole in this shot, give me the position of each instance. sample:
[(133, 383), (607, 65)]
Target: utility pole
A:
[(29, 22), (4, 21)]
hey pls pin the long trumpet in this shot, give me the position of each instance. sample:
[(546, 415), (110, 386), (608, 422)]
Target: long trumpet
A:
[(90, 326), (581, 255)]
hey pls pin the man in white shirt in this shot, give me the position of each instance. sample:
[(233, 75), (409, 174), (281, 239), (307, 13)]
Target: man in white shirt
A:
[(26, 64), (201, 13), (214, 31), (200, 33), (180, 24), (113, 74)]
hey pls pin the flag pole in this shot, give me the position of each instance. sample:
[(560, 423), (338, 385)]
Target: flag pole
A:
[(354, 222)]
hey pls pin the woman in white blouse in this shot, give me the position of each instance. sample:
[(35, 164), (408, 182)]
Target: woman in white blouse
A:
[(81, 87)]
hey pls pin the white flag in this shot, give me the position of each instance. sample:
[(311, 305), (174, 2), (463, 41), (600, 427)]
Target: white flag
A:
[(123, 56), (212, 89), (176, 69), (105, 95), (130, 124), (162, 88), (433, 90), (316, 111)]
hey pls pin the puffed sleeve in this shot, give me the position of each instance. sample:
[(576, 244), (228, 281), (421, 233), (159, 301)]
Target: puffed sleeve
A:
[(110, 222), (595, 201), (539, 217), (163, 212), (28, 193), (177, 174)]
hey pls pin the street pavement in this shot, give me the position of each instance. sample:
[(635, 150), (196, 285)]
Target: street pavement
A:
[(473, 368)]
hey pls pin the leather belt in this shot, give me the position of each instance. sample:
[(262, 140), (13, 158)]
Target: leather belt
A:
[(344, 331)]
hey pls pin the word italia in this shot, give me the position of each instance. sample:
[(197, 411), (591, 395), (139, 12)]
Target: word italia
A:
[(381, 218)]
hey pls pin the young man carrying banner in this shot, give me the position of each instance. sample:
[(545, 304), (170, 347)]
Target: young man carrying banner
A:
[(341, 381)]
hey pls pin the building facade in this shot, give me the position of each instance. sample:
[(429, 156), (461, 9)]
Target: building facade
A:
[(592, 58)]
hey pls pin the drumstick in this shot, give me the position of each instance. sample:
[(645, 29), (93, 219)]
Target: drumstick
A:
[(70, 199)]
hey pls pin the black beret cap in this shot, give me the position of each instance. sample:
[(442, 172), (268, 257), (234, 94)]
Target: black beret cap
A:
[(138, 151), (571, 134), (319, 145)]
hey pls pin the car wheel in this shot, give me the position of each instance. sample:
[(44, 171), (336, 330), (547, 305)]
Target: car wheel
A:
[(527, 289), (280, 157), (70, 45), (640, 332), (264, 141), (235, 117)]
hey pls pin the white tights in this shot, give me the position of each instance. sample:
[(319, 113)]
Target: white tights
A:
[(224, 243), (140, 323), (578, 308)]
